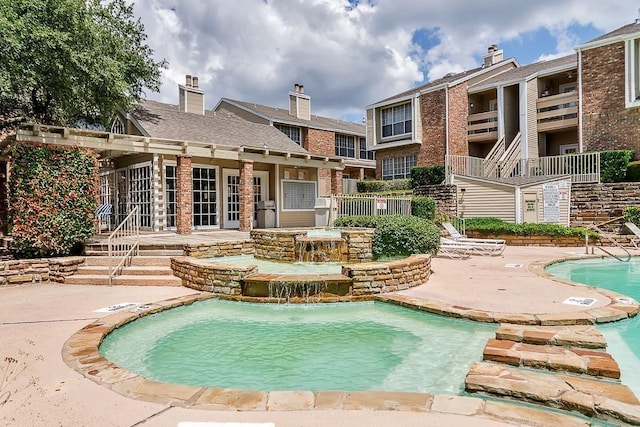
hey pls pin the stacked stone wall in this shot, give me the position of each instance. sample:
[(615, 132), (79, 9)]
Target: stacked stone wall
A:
[(444, 195), (209, 276), (219, 249), (377, 278), (18, 272)]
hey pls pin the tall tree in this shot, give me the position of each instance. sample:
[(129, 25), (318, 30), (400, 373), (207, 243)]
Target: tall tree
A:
[(62, 60)]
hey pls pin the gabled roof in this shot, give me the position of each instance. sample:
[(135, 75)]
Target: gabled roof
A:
[(632, 28), (281, 115), (447, 79), (526, 71), (160, 120)]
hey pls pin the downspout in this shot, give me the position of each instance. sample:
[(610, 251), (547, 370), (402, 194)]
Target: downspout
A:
[(446, 135), (518, 206), (580, 146)]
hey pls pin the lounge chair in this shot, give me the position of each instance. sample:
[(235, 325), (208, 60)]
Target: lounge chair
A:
[(635, 230), (482, 246), (454, 250)]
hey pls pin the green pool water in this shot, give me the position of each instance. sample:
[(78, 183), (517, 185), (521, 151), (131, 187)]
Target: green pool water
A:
[(353, 346), (275, 267), (623, 338)]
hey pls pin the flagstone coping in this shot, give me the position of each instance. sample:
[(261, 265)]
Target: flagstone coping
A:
[(554, 358), (610, 401), (80, 352)]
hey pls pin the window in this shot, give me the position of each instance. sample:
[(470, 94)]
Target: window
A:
[(396, 120), (292, 132), (345, 146), (298, 195), (118, 126), (632, 54), (398, 167), (364, 154)]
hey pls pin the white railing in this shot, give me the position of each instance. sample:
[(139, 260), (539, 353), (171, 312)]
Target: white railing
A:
[(124, 243), (622, 258), (583, 167), (369, 205), (465, 165), (494, 155), (509, 164)]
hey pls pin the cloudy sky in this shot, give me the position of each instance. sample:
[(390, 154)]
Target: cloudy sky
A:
[(351, 53)]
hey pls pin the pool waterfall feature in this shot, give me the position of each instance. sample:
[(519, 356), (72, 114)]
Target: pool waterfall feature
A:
[(360, 277)]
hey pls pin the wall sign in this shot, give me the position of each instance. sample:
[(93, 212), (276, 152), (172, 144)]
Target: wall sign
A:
[(551, 202)]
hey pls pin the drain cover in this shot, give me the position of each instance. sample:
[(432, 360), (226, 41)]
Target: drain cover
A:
[(585, 302), (513, 265)]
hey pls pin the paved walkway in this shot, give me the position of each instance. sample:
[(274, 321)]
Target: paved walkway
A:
[(41, 390)]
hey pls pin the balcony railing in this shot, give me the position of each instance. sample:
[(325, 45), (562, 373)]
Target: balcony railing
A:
[(557, 111), (482, 126)]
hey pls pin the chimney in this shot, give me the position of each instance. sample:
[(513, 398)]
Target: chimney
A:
[(493, 56), (299, 103), (190, 96)]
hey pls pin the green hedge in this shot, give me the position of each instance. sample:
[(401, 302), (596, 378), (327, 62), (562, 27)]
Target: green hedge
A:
[(377, 186), (53, 193), (613, 165), (426, 175), (397, 235), (492, 225), (423, 207), (632, 214), (633, 172)]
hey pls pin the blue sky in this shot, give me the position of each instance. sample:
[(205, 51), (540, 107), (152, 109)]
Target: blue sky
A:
[(349, 53)]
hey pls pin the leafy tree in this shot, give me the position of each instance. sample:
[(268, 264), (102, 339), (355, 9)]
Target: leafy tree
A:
[(62, 60)]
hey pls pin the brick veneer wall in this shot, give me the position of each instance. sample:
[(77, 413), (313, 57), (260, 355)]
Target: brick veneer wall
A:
[(606, 123), (184, 195), (377, 278), (458, 115), (15, 272), (336, 181), (246, 195), (444, 195), (512, 240), (320, 142), (434, 120)]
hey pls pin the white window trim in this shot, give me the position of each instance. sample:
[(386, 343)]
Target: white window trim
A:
[(407, 135), (573, 85), (315, 185), (218, 207), (632, 69), (563, 148), (163, 212)]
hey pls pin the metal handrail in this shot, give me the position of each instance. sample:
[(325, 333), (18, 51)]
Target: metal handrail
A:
[(611, 239), (124, 243)]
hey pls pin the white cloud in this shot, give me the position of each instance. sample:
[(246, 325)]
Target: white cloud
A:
[(347, 57)]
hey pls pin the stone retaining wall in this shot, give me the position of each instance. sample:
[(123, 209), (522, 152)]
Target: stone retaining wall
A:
[(380, 277), (218, 249), (210, 276), (444, 195), (558, 241), (15, 272), (594, 203), (283, 244)]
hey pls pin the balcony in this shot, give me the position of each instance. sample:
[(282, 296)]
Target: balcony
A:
[(482, 126), (557, 112)]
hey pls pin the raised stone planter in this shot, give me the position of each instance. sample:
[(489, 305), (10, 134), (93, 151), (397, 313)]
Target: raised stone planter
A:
[(557, 241), (381, 277), (218, 249), (16, 272)]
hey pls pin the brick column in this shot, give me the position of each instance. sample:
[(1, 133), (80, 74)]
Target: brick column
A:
[(184, 195), (246, 195), (336, 181)]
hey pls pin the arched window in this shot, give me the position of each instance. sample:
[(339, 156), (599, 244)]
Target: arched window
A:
[(117, 126)]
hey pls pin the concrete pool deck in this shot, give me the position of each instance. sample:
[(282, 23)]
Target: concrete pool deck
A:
[(36, 320)]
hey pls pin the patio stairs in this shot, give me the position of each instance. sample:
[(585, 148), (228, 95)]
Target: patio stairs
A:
[(563, 367), (101, 248), (143, 271)]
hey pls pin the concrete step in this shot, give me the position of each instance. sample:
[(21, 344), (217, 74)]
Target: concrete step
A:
[(127, 280), (160, 261), (603, 399), (555, 358), (144, 270), (586, 336)]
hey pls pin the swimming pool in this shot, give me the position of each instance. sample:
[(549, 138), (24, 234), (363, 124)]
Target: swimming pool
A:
[(354, 346), (623, 338)]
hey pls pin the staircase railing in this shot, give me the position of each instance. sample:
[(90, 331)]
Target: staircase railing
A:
[(124, 243), (491, 161), (597, 228), (509, 163)]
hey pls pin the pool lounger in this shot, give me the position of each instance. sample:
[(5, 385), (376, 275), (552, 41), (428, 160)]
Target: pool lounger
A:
[(635, 230)]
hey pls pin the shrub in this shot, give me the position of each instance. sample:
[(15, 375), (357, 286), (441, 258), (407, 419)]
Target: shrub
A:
[(632, 214), (423, 207), (613, 165), (377, 186), (405, 235), (492, 225), (53, 194), (397, 234), (427, 175), (633, 172)]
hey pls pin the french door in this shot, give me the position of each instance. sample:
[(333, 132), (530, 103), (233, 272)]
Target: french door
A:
[(231, 195)]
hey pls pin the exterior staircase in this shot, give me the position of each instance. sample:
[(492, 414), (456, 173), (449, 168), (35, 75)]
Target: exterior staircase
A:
[(143, 271)]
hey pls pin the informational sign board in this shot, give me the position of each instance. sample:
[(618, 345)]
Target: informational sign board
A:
[(381, 203), (551, 203)]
